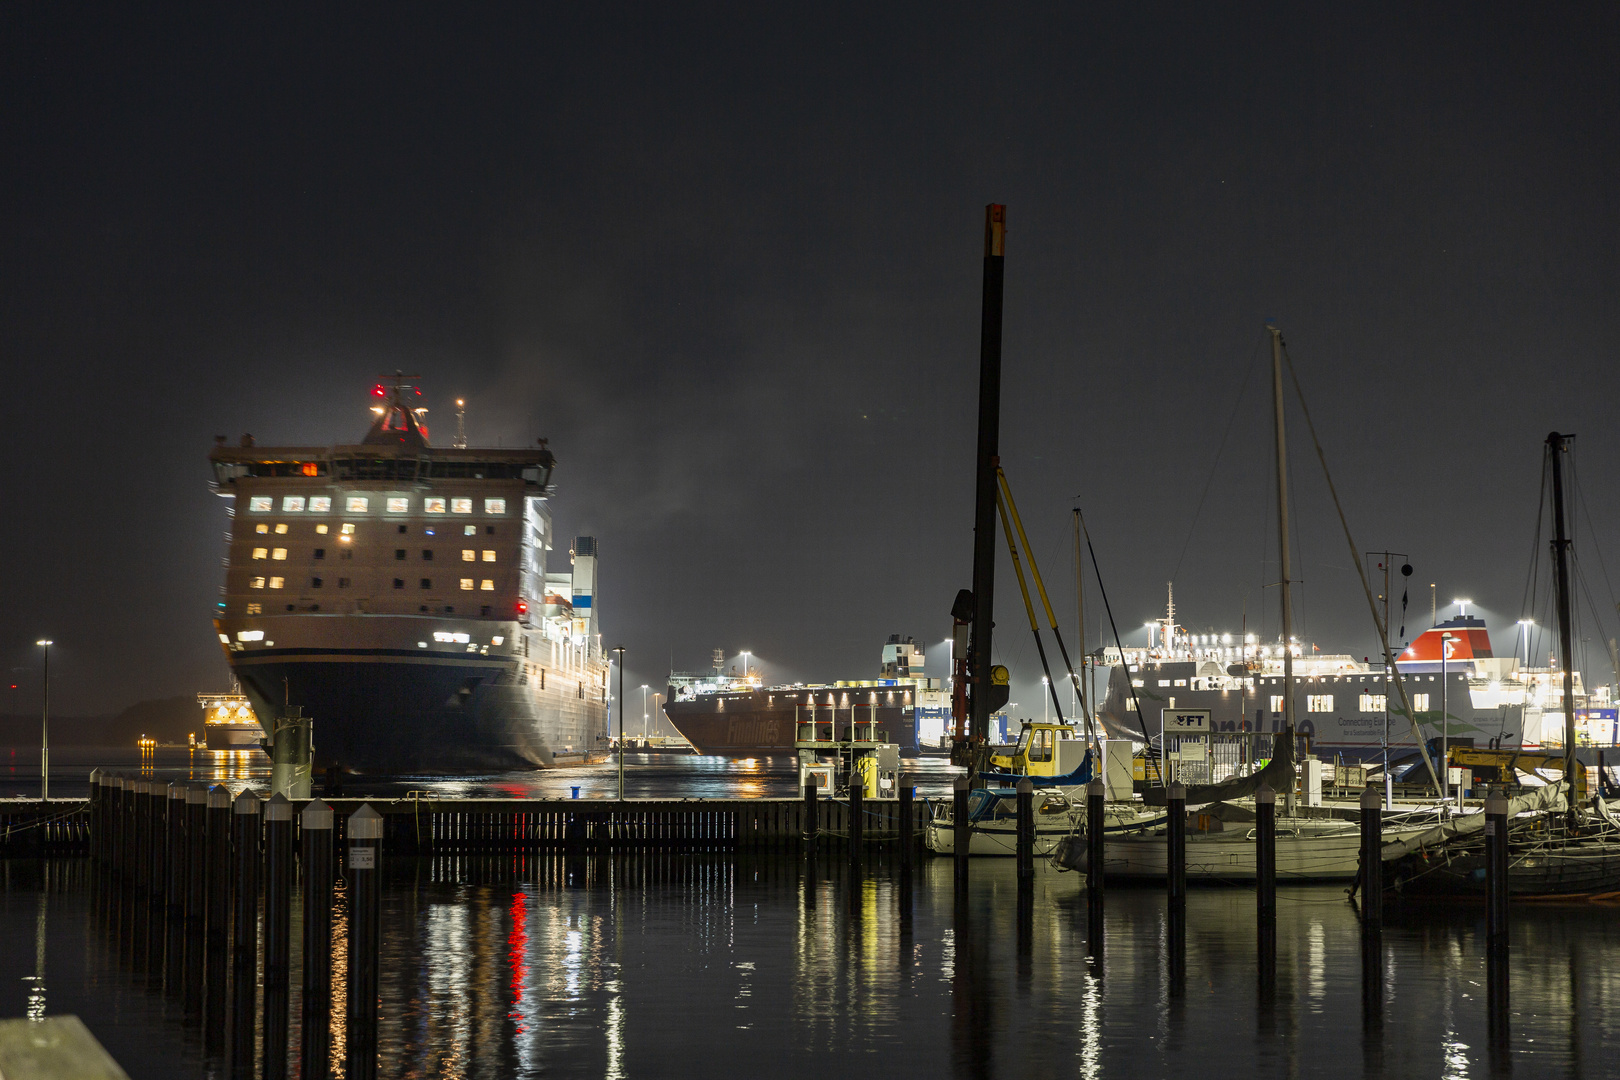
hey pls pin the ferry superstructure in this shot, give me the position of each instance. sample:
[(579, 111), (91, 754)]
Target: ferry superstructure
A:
[(1341, 702), (399, 592)]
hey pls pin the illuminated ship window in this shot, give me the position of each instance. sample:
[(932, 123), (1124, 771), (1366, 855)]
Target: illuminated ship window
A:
[(261, 504), (256, 583), (321, 529), (320, 504), (1420, 702), (279, 554), (249, 635), (1276, 703), (489, 556), (461, 506), (261, 553), (494, 506), (262, 528), (1319, 703), (277, 583), (255, 609), (292, 504), (467, 554), (433, 506), (466, 584), (427, 583), (1372, 702), (281, 528), (497, 640), (399, 506), (347, 530), (487, 585), (356, 504), (469, 530)]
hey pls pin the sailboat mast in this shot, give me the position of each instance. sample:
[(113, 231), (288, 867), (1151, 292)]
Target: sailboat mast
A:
[(1282, 531), (1555, 447), (1080, 619)]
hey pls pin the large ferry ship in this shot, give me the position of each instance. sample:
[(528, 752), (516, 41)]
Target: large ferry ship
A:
[(728, 714), (1343, 704), (399, 593)]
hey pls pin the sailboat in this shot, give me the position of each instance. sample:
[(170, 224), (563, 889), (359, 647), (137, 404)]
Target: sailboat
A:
[(1316, 847), (1563, 843)]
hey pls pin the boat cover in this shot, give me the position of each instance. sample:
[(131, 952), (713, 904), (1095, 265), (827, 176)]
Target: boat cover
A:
[(1278, 772), (1550, 797)]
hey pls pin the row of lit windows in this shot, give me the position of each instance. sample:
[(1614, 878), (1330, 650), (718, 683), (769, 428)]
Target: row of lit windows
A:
[(467, 554), (361, 504), (1367, 702), (263, 528), (467, 584)]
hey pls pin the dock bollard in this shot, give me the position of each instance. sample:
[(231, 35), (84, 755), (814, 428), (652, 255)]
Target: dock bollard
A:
[(1372, 862), (196, 896), (857, 816), (174, 892), (811, 824), (245, 940), (1026, 832), (315, 826), (277, 926), (908, 795), (218, 931), (962, 830), (1175, 835), (365, 829)]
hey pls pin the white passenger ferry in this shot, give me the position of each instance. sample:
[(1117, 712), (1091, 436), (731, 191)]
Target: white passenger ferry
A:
[(399, 593)]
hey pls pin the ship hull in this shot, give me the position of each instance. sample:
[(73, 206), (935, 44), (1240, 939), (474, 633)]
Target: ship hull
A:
[(763, 723), (391, 710)]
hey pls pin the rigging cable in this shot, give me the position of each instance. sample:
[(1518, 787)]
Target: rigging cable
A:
[(1125, 667)]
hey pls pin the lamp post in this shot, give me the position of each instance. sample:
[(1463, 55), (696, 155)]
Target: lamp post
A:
[(656, 698), (643, 714), (1524, 631), (1046, 703), (45, 727), (1445, 729), (745, 655), (620, 650)]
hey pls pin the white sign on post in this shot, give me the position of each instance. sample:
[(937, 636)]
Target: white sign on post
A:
[(1186, 721)]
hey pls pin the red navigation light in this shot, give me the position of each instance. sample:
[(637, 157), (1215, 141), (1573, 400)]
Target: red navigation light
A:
[(419, 393), (309, 468), (523, 607), (378, 391)]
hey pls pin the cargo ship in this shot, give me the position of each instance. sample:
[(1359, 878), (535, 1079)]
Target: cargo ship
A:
[(399, 592), (727, 714)]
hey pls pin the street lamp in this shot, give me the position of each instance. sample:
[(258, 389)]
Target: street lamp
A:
[(620, 650), (656, 698), (745, 655), (1462, 607), (1524, 631), (45, 727), (643, 715), (1046, 700), (1445, 729)]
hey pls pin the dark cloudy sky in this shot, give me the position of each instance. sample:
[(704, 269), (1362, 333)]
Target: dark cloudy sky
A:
[(728, 260)]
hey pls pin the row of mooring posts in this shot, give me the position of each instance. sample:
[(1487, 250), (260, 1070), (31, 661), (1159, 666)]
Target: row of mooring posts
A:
[(181, 872)]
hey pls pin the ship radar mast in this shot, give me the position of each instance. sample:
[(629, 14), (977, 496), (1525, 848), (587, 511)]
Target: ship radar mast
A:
[(400, 420), (461, 425)]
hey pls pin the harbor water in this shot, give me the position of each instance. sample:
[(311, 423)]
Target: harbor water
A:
[(664, 964)]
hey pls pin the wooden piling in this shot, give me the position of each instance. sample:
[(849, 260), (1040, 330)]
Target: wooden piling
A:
[(365, 833), (1026, 833), (156, 924), (315, 827), (174, 891), (1265, 881), (278, 855), (812, 822), (908, 842), (1496, 920), (1176, 845), (218, 930), (857, 816), (962, 830), (1096, 817), (196, 914), (1372, 861), (245, 940)]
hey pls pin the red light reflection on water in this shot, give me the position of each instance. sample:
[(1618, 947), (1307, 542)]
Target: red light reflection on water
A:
[(517, 943)]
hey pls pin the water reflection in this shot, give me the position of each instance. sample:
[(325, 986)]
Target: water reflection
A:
[(528, 966)]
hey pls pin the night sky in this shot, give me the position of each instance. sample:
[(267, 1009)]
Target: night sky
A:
[(728, 261)]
